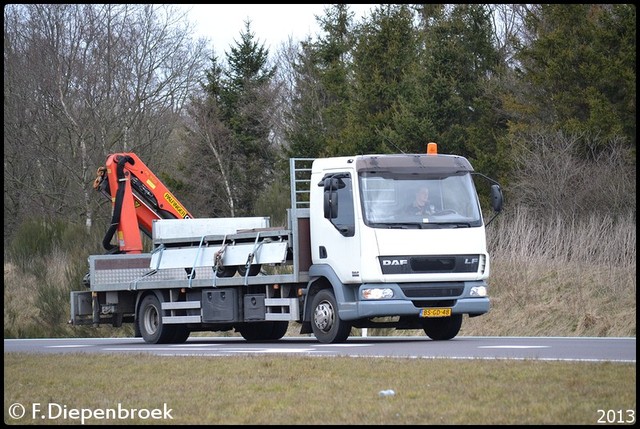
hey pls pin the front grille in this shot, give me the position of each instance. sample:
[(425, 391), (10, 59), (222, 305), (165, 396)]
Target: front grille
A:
[(432, 304), (403, 264), (432, 265), (432, 290)]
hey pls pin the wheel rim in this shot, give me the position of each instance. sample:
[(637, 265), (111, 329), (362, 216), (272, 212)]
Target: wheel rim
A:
[(151, 320), (323, 316)]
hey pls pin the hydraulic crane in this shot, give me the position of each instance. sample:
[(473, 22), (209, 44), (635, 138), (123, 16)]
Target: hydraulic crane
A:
[(138, 198)]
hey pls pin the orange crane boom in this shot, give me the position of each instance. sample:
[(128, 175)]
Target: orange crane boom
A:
[(138, 198)]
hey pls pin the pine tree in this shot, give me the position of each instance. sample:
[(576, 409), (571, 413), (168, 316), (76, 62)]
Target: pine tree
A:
[(323, 86), (234, 123), (581, 67)]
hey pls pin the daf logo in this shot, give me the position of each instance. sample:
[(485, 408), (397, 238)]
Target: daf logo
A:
[(470, 261), (394, 262)]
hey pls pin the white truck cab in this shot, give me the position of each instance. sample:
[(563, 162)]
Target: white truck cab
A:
[(374, 257)]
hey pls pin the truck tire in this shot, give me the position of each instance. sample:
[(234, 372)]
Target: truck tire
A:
[(226, 272), (150, 324), (442, 328), (326, 325), (280, 329), (180, 335), (254, 270), (264, 331)]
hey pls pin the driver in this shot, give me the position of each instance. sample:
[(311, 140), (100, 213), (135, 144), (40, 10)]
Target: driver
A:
[(420, 205)]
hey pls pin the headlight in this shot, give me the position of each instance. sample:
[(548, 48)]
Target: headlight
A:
[(478, 291), (377, 293)]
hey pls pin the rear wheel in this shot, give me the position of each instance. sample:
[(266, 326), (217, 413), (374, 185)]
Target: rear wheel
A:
[(264, 331), (226, 271), (280, 329), (150, 322), (254, 270), (180, 335), (326, 324), (442, 328)]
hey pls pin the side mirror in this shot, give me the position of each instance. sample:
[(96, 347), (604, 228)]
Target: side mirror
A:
[(496, 198), (331, 184)]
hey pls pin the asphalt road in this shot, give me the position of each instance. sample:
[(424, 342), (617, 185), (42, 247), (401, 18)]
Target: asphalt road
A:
[(519, 348)]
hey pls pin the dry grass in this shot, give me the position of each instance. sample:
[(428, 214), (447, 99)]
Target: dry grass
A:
[(313, 390), (554, 278)]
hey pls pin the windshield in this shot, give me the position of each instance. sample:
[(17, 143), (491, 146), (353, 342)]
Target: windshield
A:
[(396, 200)]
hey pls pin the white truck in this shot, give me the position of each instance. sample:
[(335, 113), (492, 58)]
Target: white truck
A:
[(349, 257)]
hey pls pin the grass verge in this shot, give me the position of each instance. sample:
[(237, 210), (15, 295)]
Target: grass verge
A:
[(298, 390)]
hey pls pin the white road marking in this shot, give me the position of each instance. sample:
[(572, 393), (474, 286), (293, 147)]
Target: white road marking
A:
[(513, 347), (150, 349), (204, 349), (344, 345), (69, 346), (196, 345), (270, 350)]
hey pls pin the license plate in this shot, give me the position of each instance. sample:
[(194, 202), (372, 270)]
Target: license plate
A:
[(435, 312)]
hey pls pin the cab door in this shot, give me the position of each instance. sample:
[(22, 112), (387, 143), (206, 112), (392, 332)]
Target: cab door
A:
[(335, 234)]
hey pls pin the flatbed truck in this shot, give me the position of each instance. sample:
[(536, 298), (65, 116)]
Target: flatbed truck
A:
[(347, 258)]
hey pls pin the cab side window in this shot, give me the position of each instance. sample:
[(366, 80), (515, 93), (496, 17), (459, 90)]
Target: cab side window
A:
[(345, 221), (338, 202)]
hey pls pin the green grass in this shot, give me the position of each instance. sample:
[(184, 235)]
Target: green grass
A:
[(315, 390)]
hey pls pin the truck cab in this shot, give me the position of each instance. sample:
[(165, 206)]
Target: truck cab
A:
[(377, 264)]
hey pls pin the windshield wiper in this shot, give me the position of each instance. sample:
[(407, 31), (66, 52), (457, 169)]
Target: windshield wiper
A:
[(455, 224), (397, 225)]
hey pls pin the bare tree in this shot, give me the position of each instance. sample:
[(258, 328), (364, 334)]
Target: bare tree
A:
[(209, 145), (508, 28), (83, 81), (553, 179)]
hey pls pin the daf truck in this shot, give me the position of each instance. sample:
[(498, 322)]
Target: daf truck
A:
[(348, 257)]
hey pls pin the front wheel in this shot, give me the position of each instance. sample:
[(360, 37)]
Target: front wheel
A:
[(327, 326), (442, 328)]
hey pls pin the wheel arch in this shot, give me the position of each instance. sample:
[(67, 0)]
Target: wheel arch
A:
[(324, 277)]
